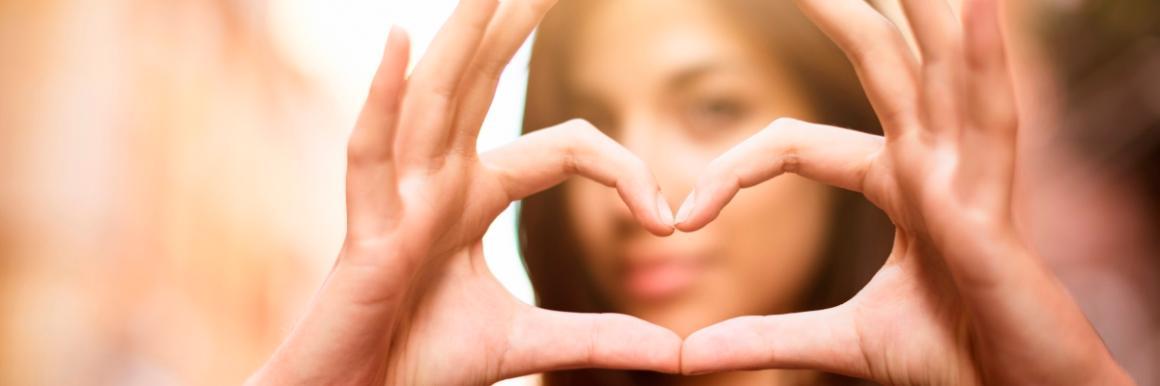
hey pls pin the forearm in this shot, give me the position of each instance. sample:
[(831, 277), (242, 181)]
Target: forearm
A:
[(1025, 305), (1112, 374)]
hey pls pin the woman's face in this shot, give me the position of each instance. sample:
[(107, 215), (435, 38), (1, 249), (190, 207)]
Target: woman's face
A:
[(678, 83)]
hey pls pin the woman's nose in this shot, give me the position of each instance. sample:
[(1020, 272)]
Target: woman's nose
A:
[(660, 148)]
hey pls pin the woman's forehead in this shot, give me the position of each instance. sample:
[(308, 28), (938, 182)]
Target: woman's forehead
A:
[(630, 42)]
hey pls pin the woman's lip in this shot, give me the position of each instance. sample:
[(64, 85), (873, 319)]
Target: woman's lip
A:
[(659, 280)]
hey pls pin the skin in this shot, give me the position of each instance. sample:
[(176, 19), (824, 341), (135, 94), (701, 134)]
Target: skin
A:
[(961, 300), (683, 87), (410, 285), (678, 84)]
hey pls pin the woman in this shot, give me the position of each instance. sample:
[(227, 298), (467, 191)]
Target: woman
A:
[(678, 85), (960, 300)]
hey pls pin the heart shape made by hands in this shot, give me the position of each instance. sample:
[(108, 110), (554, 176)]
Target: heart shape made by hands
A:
[(411, 301)]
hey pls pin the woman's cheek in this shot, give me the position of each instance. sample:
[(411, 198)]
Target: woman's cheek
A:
[(594, 224), (777, 241)]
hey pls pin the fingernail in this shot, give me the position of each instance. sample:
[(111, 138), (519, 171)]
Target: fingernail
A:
[(664, 210), (686, 208)]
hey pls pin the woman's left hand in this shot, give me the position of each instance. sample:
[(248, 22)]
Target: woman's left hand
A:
[(961, 299)]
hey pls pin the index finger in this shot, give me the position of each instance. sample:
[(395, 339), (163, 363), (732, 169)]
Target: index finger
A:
[(544, 340), (545, 158), (831, 155), (887, 69)]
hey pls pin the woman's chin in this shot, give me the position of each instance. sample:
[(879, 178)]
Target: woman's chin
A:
[(682, 319)]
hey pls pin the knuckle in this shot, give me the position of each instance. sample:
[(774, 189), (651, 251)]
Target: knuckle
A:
[(580, 126), (578, 135), (944, 48), (572, 139), (490, 70), (783, 124), (791, 160), (953, 54), (779, 137), (441, 93)]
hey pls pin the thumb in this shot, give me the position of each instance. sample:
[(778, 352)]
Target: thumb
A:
[(820, 340), (543, 340)]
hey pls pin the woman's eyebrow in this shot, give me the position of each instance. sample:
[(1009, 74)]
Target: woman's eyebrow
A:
[(689, 75)]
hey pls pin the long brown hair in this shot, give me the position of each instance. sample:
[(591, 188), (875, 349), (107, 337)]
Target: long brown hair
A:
[(859, 237)]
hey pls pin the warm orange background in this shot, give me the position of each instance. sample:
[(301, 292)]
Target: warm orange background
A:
[(171, 192)]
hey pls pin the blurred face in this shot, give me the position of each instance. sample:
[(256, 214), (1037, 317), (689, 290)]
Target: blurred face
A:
[(679, 83)]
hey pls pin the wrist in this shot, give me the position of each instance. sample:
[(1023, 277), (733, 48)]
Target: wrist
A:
[(372, 273), (293, 370), (344, 336), (1110, 374)]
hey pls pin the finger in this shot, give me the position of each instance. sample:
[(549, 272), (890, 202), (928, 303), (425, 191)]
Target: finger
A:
[(512, 25), (371, 138), (369, 170), (939, 37), (935, 28), (831, 155), (543, 340), (993, 117), (434, 83), (819, 340), (547, 157), (880, 56)]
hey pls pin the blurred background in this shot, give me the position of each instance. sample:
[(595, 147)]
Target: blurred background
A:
[(171, 173)]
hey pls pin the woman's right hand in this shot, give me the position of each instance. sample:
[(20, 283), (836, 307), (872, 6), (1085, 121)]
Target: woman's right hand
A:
[(410, 299)]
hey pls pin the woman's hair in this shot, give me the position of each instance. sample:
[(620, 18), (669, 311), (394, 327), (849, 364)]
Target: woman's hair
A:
[(859, 235), (1107, 55)]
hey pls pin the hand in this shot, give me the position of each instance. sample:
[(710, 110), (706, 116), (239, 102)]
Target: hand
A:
[(961, 299), (410, 300)]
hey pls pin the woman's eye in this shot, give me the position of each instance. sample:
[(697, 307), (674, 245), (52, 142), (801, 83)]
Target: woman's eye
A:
[(716, 114)]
